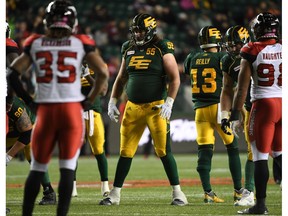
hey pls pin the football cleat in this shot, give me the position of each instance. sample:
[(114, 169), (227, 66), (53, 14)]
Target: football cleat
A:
[(211, 197), (238, 194), (49, 198), (112, 199), (247, 199), (255, 210), (179, 198)]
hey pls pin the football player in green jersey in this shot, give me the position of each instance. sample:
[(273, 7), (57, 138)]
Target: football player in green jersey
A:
[(95, 133), (234, 39), (206, 80), (21, 121), (147, 62)]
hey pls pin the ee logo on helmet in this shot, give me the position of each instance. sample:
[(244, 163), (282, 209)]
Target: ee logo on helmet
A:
[(215, 32), (150, 22), (243, 33)]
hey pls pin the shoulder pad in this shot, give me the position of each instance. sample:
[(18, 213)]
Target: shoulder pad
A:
[(30, 39), (87, 40)]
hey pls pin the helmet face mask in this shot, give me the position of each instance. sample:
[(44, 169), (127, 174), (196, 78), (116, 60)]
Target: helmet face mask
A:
[(209, 36), (235, 37), (265, 25), (143, 29), (61, 14)]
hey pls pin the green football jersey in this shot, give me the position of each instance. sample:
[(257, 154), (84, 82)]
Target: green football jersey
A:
[(85, 89), (147, 78), (206, 77), (231, 66), (15, 113)]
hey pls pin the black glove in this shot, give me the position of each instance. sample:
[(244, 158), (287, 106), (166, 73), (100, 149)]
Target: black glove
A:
[(86, 104), (225, 125)]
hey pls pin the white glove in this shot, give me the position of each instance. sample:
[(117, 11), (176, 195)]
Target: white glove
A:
[(8, 158), (85, 71), (113, 112), (236, 127), (166, 108)]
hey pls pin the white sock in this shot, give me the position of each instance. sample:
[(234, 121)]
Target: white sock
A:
[(117, 189), (176, 187)]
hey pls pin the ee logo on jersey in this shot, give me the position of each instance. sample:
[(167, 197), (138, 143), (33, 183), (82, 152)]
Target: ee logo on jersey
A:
[(139, 62)]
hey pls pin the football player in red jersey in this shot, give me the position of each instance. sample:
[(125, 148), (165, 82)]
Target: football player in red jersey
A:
[(21, 122), (262, 61), (57, 57)]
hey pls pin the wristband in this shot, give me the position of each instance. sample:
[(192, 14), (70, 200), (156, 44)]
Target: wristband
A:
[(113, 100), (170, 101), (224, 115), (234, 115)]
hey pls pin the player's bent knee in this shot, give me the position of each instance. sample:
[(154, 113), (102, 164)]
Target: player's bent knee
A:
[(127, 154), (160, 152)]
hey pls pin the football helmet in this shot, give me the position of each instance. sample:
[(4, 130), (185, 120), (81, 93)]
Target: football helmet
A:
[(7, 30), (61, 14), (265, 25), (143, 29), (209, 36), (235, 35)]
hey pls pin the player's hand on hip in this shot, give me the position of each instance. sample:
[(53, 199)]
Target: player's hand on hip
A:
[(166, 108), (113, 112)]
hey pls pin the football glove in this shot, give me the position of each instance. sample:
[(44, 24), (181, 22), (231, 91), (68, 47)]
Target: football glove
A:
[(85, 71), (166, 108), (225, 123), (236, 127), (113, 112)]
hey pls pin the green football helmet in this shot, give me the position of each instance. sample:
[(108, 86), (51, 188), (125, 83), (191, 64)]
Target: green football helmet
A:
[(209, 36), (143, 23), (236, 35)]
